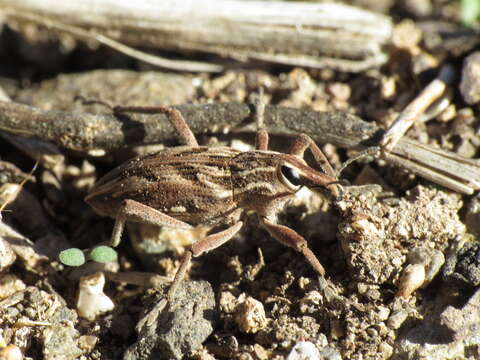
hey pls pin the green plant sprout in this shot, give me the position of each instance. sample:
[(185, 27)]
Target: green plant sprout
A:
[(469, 12), (103, 254), (76, 257)]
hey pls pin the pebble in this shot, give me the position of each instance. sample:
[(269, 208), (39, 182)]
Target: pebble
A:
[(413, 277), (464, 264), (418, 8), (470, 83), (250, 316), (180, 328), (11, 352), (7, 255), (310, 302), (304, 350), (383, 313), (386, 350), (10, 284), (91, 299), (60, 342), (396, 319)]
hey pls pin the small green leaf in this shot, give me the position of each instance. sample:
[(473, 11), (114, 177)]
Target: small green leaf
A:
[(469, 11), (103, 254), (72, 257)]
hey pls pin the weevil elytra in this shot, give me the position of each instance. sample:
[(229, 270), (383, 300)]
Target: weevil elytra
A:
[(188, 185)]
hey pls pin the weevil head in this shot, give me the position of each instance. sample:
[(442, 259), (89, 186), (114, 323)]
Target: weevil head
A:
[(260, 177)]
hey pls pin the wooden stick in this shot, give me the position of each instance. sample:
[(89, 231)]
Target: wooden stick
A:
[(294, 33), (86, 132)]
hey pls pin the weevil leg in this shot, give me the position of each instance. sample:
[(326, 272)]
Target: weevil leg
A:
[(303, 142), (208, 243), (261, 138), (134, 211), (174, 116), (291, 238)]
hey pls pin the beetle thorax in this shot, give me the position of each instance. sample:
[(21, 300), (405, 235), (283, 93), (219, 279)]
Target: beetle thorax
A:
[(255, 179)]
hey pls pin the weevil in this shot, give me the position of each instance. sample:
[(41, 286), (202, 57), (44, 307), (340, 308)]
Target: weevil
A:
[(188, 185)]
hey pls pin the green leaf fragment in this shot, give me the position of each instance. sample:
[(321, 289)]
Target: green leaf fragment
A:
[(469, 11), (72, 257), (103, 254)]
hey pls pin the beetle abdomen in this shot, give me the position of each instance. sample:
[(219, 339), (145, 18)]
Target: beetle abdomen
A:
[(192, 184)]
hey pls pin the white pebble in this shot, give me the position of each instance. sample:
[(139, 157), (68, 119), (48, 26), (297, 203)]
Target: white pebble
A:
[(91, 299), (412, 278), (304, 350)]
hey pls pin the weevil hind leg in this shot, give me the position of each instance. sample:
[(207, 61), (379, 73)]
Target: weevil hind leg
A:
[(291, 238), (135, 211), (175, 117)]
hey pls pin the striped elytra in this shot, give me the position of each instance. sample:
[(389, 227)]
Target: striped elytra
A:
[(195, 184)]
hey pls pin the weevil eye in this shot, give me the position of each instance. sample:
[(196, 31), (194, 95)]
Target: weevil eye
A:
[(290, 177)]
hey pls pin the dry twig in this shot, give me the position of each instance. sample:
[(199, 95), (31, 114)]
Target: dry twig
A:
[(91, 132), (293, 33)]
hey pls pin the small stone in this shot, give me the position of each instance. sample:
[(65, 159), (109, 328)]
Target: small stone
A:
[(60, 342), (463, 323), (310, 302), (386, 350), (470, 83), (448, 114), (260, 352), (418, 8), (228, 302), (91, 299), (436, 261), (472, 215), (250, 316), (329, 353), (388, 87), (340, 91), (10, 284), (396, 319), (178, 329), (7, 255), (406, 35), (203, 354), (383, 313), (245, 356), (412, 279), (87, 342), (150, 239), (464, 264), (304, 350), (373, 294), (11, 352)]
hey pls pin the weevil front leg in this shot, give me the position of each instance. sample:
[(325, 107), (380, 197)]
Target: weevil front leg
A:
[(291, 238), (134, 211), (175, 117), (303, 142)]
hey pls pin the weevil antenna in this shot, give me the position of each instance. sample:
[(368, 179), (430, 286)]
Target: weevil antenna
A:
[(371, 151)]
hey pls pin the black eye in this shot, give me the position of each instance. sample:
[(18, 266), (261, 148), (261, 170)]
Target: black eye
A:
[(291, 176)]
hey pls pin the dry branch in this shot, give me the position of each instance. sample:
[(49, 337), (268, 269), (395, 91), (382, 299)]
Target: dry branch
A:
[(86, 132), (293, 33)]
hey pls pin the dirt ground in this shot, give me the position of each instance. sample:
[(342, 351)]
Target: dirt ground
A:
[(401, 257)]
